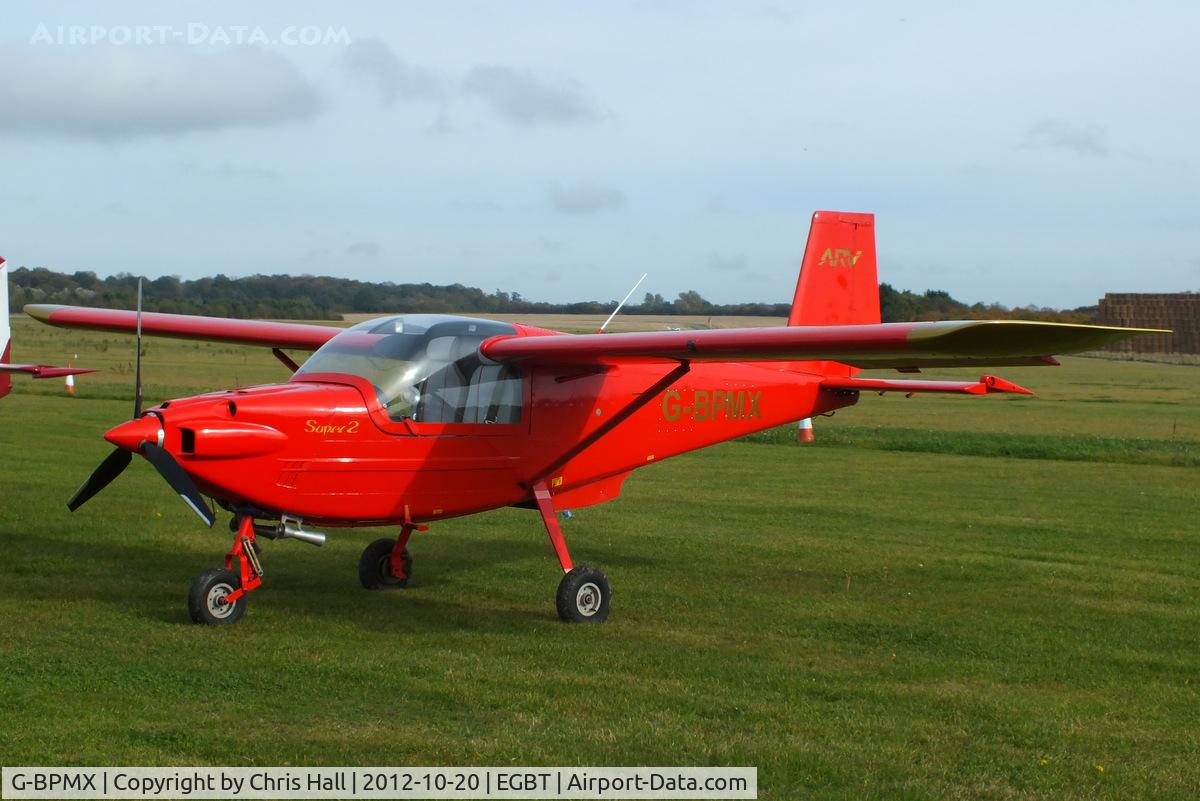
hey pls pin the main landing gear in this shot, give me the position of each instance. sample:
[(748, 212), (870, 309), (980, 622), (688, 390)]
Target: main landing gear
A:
[(584, 595), (218, 597), (386, 564)]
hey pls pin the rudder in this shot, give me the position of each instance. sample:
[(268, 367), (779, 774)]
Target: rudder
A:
[(839, 282)]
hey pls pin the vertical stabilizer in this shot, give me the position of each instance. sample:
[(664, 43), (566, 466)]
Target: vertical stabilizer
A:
[(839, 283)]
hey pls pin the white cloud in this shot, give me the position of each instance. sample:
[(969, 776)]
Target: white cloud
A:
[(585, 198), (1085, 140), (523, 99), (374, 60), (122, 93), (367, 250), (733, 263)]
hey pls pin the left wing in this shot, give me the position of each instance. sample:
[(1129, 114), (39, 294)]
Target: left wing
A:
[(298, 336), (905, 346)]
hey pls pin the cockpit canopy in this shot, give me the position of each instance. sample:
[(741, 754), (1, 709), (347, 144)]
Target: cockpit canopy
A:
[(426, 368)]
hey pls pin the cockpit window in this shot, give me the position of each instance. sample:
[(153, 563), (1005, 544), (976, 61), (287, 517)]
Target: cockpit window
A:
[(427, 368)]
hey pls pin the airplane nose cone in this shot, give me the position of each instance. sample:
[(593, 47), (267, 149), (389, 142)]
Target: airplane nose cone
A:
[(132, 434)]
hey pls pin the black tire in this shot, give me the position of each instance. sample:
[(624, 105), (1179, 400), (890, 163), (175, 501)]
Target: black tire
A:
[(584, 596), (375, 567), (204, 598)]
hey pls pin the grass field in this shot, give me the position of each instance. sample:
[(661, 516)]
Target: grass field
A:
[(907, 610)]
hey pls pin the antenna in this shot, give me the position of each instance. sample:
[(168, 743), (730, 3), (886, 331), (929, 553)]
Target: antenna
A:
[(137, 373), (628, 295)]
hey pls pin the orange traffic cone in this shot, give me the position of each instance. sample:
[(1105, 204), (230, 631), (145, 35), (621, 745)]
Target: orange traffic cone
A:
[(804, 434), (70, 382)]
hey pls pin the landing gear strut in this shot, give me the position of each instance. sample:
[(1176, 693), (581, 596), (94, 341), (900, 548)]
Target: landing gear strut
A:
[(584, 595), (218, 597), (386, 564)]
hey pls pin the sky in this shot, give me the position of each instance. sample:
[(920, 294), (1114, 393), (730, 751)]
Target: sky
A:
[(1024, 153)]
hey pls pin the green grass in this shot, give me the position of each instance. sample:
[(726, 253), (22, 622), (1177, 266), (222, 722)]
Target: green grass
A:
[(857, 621), (1071, 448)]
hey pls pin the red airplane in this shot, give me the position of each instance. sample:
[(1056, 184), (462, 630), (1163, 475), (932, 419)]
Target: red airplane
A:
[(34, 370), (410, 419)]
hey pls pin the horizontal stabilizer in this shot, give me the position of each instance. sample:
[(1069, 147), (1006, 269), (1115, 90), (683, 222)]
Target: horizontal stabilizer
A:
[(985, 385)]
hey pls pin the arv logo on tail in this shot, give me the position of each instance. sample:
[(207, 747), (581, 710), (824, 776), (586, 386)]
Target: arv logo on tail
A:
[(839, 258)]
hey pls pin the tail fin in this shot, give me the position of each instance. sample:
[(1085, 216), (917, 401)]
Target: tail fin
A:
[(5, 345), (839, 283)]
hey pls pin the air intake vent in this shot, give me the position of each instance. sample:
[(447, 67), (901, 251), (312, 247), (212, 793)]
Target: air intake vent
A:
[(188, 440)]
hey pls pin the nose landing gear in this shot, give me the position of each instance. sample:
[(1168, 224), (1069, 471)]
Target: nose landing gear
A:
[(218, 597)]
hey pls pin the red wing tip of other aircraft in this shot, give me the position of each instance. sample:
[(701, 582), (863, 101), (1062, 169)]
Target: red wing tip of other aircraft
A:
[(43, 370)]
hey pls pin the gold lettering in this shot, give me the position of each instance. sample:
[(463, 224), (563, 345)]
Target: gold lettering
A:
[(720, 404), (313, 427), (701, 405), (670, 404), (739, 405), (754, 411)]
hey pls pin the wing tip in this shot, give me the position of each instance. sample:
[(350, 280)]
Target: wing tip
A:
[(41, 311), (993, 383)]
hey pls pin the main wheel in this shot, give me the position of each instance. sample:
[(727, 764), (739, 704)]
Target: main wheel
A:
[(375, 566), (206, 599), (584, 596)]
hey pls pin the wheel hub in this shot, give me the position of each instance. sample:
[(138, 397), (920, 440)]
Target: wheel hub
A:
[(217, 605), (588, 599)]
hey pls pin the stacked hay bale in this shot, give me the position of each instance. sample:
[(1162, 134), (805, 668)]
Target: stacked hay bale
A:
[(1179, 311)]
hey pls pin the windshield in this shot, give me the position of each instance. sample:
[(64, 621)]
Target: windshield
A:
[(426, 368)]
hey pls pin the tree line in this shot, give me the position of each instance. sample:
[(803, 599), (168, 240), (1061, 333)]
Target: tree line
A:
[(313, 297)]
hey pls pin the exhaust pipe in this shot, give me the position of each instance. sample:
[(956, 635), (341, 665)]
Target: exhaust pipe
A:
[(289, 528)]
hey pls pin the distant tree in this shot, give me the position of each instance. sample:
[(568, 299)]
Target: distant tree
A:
[(324, 297), (690, 302)]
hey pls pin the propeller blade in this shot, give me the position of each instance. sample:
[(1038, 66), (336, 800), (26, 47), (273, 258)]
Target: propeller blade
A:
[(179, 480), (137, 373), (101, 477)]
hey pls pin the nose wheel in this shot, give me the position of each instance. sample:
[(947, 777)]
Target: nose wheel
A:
[(209, 598), (218, 596)]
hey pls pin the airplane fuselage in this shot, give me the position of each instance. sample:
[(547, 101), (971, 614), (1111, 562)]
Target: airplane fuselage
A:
[(322, 447)]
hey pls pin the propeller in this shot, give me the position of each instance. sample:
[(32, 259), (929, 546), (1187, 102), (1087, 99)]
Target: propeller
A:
[(177, 477), (112, 466), (134, 436)]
